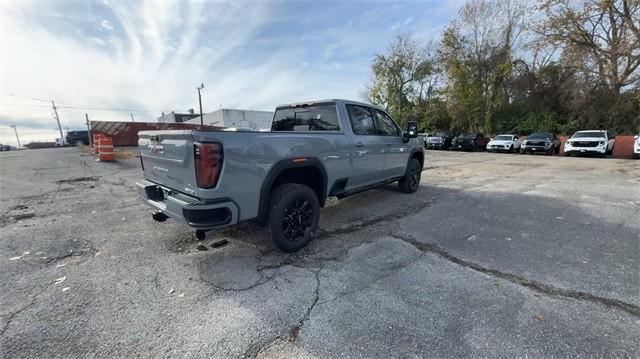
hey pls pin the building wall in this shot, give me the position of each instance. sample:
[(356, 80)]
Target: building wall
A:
[(173, 117), (237, 118)]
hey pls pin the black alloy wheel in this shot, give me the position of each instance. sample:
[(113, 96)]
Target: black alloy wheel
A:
[(411, 180), (297, 219), (294, 217)]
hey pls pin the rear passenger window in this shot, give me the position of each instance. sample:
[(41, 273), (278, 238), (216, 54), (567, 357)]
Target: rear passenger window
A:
[(321, 117), (361, 120), (385, 125)]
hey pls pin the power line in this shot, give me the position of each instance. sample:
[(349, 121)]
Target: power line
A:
[(105, 109), (83, 108), (27, 97)]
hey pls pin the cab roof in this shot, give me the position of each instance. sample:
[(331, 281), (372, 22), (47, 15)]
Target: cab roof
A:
[(335, 100)]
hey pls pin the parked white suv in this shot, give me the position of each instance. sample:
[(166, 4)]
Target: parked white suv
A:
[(636, 147), (589, 142), (504, 143)]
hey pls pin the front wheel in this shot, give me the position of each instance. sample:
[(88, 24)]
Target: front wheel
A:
[(294, 217), (411, 180)]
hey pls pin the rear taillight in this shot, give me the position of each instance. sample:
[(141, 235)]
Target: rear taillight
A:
[(208, 163)]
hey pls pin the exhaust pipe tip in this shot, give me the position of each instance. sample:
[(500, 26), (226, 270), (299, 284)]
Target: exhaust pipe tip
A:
[(159, 217), (201, 234)]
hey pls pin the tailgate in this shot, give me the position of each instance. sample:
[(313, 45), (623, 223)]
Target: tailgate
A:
[(167, 158)]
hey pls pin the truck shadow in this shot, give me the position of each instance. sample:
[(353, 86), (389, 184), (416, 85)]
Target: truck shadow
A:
[(540, 236)]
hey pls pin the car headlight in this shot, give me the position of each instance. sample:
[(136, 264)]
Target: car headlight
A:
[(568, 143), (523, 143), (601, 143), (547, 144)]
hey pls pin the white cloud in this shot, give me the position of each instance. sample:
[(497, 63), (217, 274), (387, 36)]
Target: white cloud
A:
[(106, 24), (151, 55)]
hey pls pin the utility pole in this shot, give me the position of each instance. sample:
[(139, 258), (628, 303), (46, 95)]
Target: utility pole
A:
[(17, 138), (55, 110), (86, 115), (131, 113), (200, 101)]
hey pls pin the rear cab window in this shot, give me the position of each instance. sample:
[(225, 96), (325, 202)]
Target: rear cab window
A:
[(306, 118)]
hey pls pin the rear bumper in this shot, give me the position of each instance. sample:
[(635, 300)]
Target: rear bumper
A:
[(187, 209)]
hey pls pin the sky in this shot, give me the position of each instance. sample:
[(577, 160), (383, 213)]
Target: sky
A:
[(111, 59)]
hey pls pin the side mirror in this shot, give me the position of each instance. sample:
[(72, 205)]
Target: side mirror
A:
[(412, 129)]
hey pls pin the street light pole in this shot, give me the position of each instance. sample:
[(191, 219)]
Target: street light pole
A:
[(17, 138), (200, 101)]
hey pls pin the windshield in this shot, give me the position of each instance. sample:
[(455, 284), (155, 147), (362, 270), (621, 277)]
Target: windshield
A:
[(470, 136), (540, 136), (503, 138), (588, 134), (441, 134)]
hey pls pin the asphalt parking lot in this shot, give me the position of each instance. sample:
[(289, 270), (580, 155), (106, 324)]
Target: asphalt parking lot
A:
[(495, 255)]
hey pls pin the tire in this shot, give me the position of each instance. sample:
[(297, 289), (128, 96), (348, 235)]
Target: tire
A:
[(294, 216), (521, 151), (411, 180), (512, 149)]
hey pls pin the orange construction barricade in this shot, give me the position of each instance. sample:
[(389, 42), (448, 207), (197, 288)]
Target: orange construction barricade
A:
[(106, 149)]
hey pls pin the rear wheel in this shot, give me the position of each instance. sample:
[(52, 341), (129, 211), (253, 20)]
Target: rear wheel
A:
[(411, 180), (294, 217)]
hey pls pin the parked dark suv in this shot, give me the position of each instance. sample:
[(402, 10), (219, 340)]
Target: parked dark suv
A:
[(541, 142), (441, 140), (470, 142), (77, 138)]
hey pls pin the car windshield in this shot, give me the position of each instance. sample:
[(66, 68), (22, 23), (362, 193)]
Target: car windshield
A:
[(470, 136), (441, 134), (503, 138), (588, 134), (540, 136)]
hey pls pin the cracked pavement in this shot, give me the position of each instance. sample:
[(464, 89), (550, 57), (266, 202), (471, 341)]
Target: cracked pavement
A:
[(495, 255)]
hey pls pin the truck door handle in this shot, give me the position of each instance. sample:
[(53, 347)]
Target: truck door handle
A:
[(359, 144)]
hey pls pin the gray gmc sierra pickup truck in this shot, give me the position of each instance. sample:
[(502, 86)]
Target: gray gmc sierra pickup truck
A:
[(314, 150)]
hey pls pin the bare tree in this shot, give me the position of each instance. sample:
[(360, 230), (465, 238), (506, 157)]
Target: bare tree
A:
[(605, 34)]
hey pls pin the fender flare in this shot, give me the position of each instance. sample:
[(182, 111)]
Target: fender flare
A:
[(413, 152), (279, 168)]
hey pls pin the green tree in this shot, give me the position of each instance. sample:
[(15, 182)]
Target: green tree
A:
[(403, 78)]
